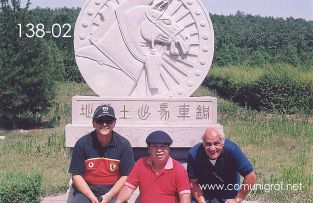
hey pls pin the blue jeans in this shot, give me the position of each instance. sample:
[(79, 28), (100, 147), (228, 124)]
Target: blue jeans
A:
[(76, 197)]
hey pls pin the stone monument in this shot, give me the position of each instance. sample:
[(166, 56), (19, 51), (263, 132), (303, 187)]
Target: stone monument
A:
[(145, 58)]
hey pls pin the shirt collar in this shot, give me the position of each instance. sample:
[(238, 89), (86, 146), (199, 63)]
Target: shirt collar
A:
[(113, 140), (112, 143), (168, 165)]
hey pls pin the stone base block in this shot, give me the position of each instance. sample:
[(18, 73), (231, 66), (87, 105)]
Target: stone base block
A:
[(184, 119)]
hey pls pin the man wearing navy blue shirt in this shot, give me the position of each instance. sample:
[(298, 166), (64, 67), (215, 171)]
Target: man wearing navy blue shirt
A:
[(101, 161), (214, 169)]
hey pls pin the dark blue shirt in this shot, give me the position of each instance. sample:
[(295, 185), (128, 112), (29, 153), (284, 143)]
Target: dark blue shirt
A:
[(224, 176)]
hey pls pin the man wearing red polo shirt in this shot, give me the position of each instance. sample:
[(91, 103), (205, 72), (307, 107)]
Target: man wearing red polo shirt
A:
[(159, 177)]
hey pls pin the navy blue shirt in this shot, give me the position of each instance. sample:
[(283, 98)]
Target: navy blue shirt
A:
[(224, 174), (118, 156)]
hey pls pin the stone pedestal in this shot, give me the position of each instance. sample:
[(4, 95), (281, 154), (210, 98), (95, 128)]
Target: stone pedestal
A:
[(184, 119), (133, 53)]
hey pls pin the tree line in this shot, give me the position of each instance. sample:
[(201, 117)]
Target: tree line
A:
[(29, 66), (239, 39), (256, 41)]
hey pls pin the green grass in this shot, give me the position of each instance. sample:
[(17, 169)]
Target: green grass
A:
[(43, 149), (279, 146)]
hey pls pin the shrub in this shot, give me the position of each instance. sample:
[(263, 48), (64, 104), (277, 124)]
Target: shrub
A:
[(232, 82), (283, 89), (279, 88), (18, 187)]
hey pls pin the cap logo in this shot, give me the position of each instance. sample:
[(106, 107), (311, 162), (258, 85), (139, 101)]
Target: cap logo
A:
[(105, 108), (112, 167)]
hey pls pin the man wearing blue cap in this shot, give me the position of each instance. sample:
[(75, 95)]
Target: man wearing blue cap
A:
[(159, 177), (101, 161)]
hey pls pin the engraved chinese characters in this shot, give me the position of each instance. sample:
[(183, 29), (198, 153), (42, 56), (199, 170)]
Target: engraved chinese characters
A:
[(183, 118), (201, 110), (143, 47)]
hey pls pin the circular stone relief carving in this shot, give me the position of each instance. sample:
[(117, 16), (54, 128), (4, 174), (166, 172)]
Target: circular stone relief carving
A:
[(161, 48)]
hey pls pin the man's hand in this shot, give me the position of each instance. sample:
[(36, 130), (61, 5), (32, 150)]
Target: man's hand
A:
[(233, 201), (248, 183), (124, 194), (93, 199), (83, 187), (104, 201), (196, 191), (114, 190), (106, 198)]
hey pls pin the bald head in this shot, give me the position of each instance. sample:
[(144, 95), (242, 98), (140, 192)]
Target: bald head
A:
[(213, 132), (213, 142)]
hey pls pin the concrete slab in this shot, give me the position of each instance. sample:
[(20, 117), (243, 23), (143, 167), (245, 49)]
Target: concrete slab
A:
[(56, 199), (62, 199)]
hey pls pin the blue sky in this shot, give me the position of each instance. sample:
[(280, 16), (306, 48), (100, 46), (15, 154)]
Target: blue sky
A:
[(276, 8)]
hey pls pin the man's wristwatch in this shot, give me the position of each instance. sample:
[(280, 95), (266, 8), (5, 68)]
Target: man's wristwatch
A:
[(237, 199)]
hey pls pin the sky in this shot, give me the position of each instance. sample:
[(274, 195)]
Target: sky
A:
[(276, 8)]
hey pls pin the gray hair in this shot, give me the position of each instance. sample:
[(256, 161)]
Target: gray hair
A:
[(219, 131)]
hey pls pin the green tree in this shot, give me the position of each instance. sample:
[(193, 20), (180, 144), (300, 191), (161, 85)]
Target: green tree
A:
[(29, 69), (259, 58), (290, 56), (62, 16), (227, 55), (246, 34)]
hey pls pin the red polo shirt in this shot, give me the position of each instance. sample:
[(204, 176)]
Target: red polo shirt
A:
[(164, 187)]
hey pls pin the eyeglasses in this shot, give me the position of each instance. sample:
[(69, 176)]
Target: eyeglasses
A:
[(217, 176), (106, 120)]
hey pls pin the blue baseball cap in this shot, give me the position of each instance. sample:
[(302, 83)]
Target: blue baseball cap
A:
[(104, 110), (159, 137)]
